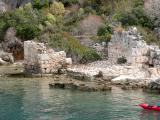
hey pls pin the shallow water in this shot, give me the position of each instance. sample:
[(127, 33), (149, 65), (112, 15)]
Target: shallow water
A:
[(31, 99)]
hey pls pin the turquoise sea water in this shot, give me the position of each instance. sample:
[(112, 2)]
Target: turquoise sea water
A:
[(31, 99)]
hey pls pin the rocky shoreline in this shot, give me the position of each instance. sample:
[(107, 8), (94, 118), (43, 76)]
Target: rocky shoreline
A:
[(140, 70), (65, 82), (99, 84)]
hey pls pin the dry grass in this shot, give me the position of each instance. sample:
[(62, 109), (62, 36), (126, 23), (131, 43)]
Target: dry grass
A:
[(119, 29)]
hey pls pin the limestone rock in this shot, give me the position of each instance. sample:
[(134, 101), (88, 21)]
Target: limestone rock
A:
[(7, 57), (2, 62), (68, 61)]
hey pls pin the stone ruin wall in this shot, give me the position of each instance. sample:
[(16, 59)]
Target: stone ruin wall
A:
[(129, 44), (39, 59)]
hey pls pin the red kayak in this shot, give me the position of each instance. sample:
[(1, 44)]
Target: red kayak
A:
[(149, 107)]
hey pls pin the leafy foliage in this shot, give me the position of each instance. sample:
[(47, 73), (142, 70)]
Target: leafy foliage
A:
[(57, 8), (104, 33), (3, 28), (69, 2), (27, 31), (136, 17), (148, 35)]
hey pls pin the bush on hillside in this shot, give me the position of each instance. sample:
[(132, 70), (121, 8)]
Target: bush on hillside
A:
[(84, 54), (57, 8), (121, 60), (105, 29), (68, 2), (39, 4), (104, 33), (73, 47), (148, 35), (136, 17), (27, 31), (3, 28)]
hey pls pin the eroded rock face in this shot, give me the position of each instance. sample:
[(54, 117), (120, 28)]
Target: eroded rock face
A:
[(39, 59), (13, 45)]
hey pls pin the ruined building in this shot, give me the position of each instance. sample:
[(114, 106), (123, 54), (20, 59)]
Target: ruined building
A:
[(129, 45), (40, 60)]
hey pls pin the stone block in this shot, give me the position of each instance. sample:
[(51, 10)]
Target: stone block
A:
[(48, 70), (68, 61), (43, 57)]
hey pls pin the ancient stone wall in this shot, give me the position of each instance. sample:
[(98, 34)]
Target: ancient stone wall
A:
[(39, 59), (128, 45)]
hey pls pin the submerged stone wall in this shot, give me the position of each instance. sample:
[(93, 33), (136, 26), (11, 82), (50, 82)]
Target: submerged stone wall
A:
[(39, 59)]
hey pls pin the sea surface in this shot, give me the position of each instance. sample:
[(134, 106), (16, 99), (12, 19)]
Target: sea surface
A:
[(32, 99)]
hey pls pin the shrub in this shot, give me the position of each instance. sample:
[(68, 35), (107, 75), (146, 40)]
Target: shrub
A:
[(104, 30), (148, 35), (27, 31), (138, 3), (3, 28), (127, 18), (39, 4), (57, 8), (73, 47), (104, 33), (121, 60), (135, 16), (143, 19), (51, 18), (85, 54), (69, 2)]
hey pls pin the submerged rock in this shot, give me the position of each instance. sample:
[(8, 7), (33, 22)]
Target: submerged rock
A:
[(154, 85), (73, 84)]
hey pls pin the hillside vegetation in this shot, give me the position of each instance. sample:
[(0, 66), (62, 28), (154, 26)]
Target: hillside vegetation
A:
[(57, 23)]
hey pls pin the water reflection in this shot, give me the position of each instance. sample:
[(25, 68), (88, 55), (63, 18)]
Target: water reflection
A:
[(11, 103), (150, 115)]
